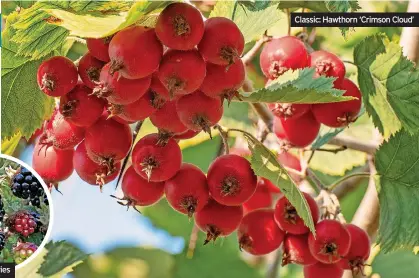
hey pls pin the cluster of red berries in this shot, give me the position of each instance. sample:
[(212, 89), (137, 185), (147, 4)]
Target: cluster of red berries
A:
[(22, 222), (23, 251), (299, 124), (177, 73)]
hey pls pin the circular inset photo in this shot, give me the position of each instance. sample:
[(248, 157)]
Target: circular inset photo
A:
[(25, 211)]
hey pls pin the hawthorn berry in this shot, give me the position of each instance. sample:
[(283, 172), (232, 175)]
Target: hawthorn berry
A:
[(180, 26), (89, 70), (289, 110), (327, 64), (231, 180), (135, 52), (98, 48), (262, 198), (222, 43), (119, 90), (320, 270), (287, 218), (186, 135), (339, 114), (358, 252), (282, 54), (296, 250), (23, 251), (198, 111), (154, 160), (181, 72), (270, 186), (258, 233), (162, 94), (166, 119), (57, 76), (289, 160), (331, 243), (187, 192), (137, 111), (217, 220)]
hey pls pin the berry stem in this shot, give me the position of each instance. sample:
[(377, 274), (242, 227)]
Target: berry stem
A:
[(248, 57), (276, 265), (192, 241), (338, 182), (224, 138)]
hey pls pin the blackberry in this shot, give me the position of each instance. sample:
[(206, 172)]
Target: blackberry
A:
[(36, 202), (2, 212), (2, 240), (39, 225), (26, 186)]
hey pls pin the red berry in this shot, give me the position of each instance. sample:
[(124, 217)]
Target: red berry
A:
[(258, 233), (24, 221), (359, 250), (181, 72), (287, 218), (31, 223), (282, 54), (119, 90), (289, 110), (231, 180), (270, 186), (199, 112), (23, 251), (90, 171), (223, 81), (186, 135), (180, 26), (166, 119), (332, 241), (18, 221), (108, 141), (299, 132), (57, 76), (136, 111), (187, 192), (98, 48), (140, 192), (154, 160), (25, 233), (89, 70), (327, 64), (31, 230), (262, 198), (19, 228), (222, 43), (51, 164), (158, 88), (296, 250), (217, 220), (320, 270), (135, 52), (289, 160), (338, 114)]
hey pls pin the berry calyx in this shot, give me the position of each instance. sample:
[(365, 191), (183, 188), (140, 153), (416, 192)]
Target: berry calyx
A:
[(162, 94), (135, 52), (282, 54), (166, 119), (332, 241), (327, 64), (23, 251), (98, 48), (89, 70), (231, 180), (287, 218), (180, 26), (57, 76), (154, 160), (187, 192), (222, 43), (296, 250), (262, 198), (320, 270), (217, 220), (339, 114), (289, 110), (258, 233)]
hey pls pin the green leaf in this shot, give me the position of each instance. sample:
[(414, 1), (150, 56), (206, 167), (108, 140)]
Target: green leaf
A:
[(397, 264), (389, 82), (23, 105), (325, 138), (252, 22), (298, 87), (8, 146), (397, 163)]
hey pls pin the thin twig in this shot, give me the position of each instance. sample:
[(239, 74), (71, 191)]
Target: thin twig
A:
[(350, 184), (320, 186), (192, 241), (274, 270), (354, 144), (338, 182), (349, 62), (224, 137), (335, 151), (248, 57), (289, 22)]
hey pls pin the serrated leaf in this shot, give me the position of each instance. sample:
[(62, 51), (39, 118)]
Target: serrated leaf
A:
[(389, 82), (298, 87), (397, 163), (397, 264), (326, 137), (8, 146), (251, 22)]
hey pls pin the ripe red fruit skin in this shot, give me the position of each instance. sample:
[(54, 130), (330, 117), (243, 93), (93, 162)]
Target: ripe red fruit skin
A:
[(231, 180), (320, 270), (187, 192), (222, 43), (135, 52), (166, 119), (180, 26), (57, 76), (140, 192), (299, 132), (289, 160), (99, 48), (287, 218), (282, 54), (359, 250), (108, 141), (199, 112), (80, 108), (89, 70), (181, 72), (91, 172), (158, 88), (332, 241), (119, 90), (258, 233), (218, 220), (155, 161), (223, 81), (186, 135), (339, 114), (289, 110), (262, 198), (51, 164), (137, 111), (296, 250), (327, 64)]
